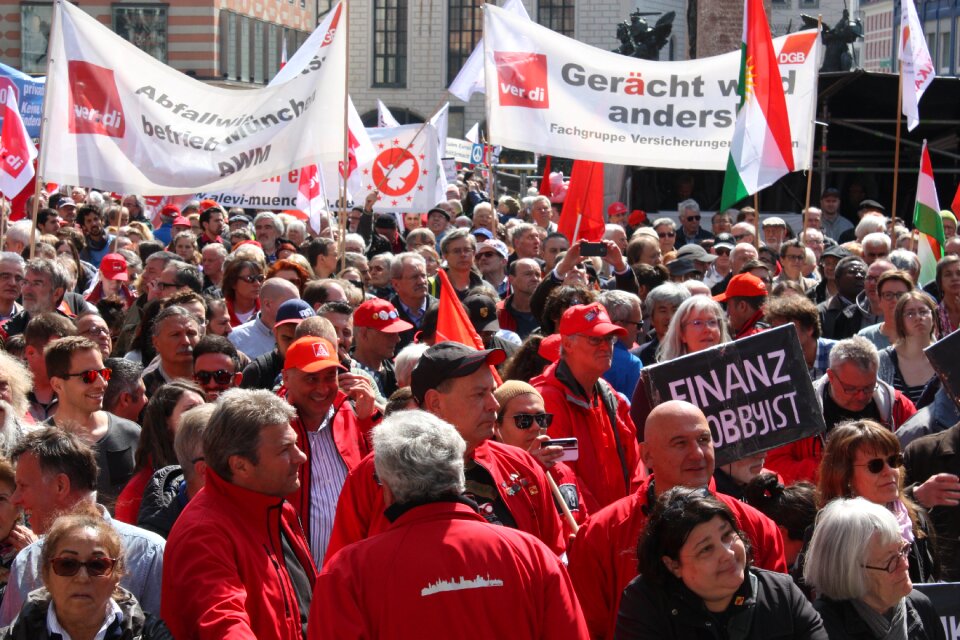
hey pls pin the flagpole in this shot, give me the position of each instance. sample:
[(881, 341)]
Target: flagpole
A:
[(4, 216), (759, 227), (43, 121), (342, 241), (813, 129), (896, 158)]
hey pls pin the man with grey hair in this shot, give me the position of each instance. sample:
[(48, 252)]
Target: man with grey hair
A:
[(237, 563), (525, 239), (448, 556), (212, 257), (906, 260), (12, 272), (876, 246), (741, 254), (744, 232), (690, 231), (408, 277), (44, 290), (661, 303), (268, 227), (172, 487), (625, 311), (850, 390), (666, 233), (176, 332), (18, 236), (541, 212)]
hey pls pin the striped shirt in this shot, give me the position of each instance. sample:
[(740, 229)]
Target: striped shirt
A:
[(327, 475)]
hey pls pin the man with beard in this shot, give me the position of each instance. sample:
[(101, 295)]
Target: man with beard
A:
[(98, 241), (211, 221), (44, 290)]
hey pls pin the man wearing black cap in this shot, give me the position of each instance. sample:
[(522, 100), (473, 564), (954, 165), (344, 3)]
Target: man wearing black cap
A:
[(832, 223), (482, 310), (456, 383), (829, 259), (438, 221)]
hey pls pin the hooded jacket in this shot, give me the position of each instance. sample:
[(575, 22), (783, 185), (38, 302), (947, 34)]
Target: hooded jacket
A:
[(800, 460), (163, 501)]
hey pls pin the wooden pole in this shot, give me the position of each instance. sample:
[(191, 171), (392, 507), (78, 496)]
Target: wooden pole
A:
[(342, 241), (758, 228), (563, 503), (896, 159), (4, 216)]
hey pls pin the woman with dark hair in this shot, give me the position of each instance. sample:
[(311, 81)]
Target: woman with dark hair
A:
[(86, 272), (526, 363), (948, 281), (696, 580), (904, 364), (792, 508), (863, 459), (559, 300), (241, 289), (161, 418)]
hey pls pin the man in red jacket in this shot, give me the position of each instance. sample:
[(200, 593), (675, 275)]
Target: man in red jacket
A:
[(584, 406), (678, 448), (236, 564), (335, 412), (439, 570), (455, 383)]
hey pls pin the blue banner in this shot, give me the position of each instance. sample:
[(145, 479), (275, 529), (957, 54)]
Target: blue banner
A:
[(29, 92)]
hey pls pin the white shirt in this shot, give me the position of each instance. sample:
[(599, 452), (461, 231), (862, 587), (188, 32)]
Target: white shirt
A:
[(328, 472), (113, 613)]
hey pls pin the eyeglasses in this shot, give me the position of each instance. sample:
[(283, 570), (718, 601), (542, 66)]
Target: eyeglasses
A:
[(90, 376), (97, 331), (486, 254), (921, 313), (666, 234), (740, 237), (220, 376), (461, 251), (852, 390), (893, 562), (794, 257), (692, 218), (526, 420), (96, 567), (251, 279), (700, 324), (167, 285), (890, 296), (596, 341), (876, 465)]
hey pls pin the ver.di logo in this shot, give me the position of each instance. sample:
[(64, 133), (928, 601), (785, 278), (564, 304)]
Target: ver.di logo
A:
[(522, 79), (94, 100)]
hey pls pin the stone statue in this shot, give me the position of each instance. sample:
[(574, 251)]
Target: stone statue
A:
[(639, 40), (838, 56)]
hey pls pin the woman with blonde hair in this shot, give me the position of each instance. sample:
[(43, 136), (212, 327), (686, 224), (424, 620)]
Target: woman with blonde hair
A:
[(904, 364), (698, 324)]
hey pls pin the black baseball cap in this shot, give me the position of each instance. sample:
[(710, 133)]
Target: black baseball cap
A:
[(445, 213), (836, 251), (385, 222), (447, 360), (483, 313), (681, 267), (871, 204), (830, 191)]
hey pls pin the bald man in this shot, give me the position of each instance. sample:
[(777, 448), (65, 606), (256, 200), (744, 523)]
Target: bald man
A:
[(255, 337), (678, 449), (741, 255)]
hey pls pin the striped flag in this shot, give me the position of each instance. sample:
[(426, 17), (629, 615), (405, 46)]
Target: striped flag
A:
[(916, 65), (761, 151), (927, 220)]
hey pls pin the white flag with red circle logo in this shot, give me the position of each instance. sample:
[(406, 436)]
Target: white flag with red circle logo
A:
[(17, 151), (404, 169)]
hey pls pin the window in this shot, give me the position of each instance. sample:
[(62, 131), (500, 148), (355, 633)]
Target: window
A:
[(466, 29), (228, 44), (557, 15), (390, 43), (144, 26), (245, 48), (35, 19), (809, 4), (259, 53)]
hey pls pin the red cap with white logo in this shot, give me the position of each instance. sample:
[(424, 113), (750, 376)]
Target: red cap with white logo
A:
[(114, 267), (311, 354)]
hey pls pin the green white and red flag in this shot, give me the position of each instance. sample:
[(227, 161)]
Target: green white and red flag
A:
[(927, 220), (761, 151)]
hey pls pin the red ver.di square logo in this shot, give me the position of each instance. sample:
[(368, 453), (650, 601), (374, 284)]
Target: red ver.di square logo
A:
[(522, 79), (94, 100)]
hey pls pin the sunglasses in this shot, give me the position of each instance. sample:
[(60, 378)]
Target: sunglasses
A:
[(525, 420), (96, 567), (220, 376), (252, 279), (486, 254), (90, 376), (692, 218), (668, 234), (876, 465)]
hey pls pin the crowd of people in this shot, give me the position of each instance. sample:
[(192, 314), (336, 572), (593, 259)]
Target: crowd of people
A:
[(218, 424)]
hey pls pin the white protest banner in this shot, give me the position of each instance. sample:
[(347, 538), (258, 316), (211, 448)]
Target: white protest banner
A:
[(119, 119), (408, 187), (550, 94)]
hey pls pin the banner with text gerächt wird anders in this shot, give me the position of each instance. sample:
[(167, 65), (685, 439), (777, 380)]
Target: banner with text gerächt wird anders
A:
[(120, 120), (551, 94)]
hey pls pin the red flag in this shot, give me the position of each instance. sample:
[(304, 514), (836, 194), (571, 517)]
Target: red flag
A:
[(584, 200), (545, 189), (454, 324), (955, 205), (283, 53), (17, 151)]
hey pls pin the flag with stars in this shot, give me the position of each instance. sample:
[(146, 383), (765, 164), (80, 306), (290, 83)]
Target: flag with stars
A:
[(403, 169)]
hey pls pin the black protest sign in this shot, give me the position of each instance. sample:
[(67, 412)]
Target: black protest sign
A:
[(756, 392), (945, 597), (943, 356)]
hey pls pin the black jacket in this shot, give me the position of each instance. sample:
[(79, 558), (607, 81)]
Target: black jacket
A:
[(262, 373), (31, 624), (161, 501), (770, 607), (842, 621)]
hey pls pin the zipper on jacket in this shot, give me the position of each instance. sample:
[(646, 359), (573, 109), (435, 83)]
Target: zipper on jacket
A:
[(283, 584)]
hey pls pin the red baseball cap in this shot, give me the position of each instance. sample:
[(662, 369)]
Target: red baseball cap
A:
[(589, 320), (379, 314), (616, 209), (549, 348), (180, 221), (114, 267), (637, 217), (745, 285), (311, 354), (170, 210)]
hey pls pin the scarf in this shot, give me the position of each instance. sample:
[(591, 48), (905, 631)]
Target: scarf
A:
[(882, 627), (899, 511)]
